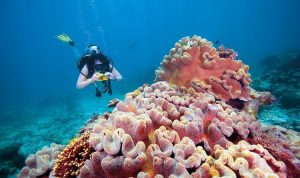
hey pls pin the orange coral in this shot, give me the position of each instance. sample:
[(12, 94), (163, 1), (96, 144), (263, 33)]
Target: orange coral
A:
[(72, 158), (194, 61)]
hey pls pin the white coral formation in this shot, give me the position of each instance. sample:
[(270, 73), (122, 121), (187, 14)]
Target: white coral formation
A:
[(116, 155), (41, 162), (248, 160), (174, 157), (178, 119)]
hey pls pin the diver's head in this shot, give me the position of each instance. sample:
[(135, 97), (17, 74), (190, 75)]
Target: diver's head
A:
[(93, 49)]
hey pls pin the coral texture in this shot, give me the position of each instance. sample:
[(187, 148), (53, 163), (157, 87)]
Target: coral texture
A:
[(116, 155), (247, 160), (72, 158), (195, 62), (170, 132), (41, 162), (283, 144), (177, 158)]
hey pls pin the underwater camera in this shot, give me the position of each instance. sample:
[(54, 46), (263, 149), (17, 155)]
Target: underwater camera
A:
[(101, 77)]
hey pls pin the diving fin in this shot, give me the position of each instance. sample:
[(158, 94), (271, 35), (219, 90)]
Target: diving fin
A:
[(65, 38)]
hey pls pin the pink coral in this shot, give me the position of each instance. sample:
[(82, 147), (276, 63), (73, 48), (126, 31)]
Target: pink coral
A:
[(195, 62), (283, 144), (41, 162), (136, 125), (174, 157), (171, 122), (191, 129), (182, 158), (247, 160), (116, 155)]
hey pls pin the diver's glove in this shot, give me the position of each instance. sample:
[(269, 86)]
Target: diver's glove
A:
[(66, 39)]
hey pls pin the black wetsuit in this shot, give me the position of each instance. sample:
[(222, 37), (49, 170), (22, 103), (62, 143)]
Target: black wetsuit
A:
[(103, 67)]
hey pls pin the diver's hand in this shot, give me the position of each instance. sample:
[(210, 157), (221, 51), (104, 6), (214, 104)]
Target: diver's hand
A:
[(109, 75), (95, 77)]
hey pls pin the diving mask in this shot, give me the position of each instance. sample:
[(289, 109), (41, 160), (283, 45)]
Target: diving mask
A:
[(93, 50)]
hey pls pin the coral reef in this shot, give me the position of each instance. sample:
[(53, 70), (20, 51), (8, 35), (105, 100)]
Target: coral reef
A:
[(179, 129), (177, 158), (281, 78), (198, 120), (88, 126), (41, 162), (113, 103), (116, 155), (72, 158), (194, 61), (283, 144)]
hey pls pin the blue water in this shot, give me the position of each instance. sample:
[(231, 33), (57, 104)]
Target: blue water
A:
[(136, 34), (38, 71)]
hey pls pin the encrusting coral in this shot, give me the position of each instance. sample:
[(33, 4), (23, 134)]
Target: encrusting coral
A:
[(195, 123), (72, 158), (283, 144)]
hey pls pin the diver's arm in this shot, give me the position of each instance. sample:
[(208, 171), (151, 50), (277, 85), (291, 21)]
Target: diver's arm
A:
[(83, 81), (114, 75), (117, 74)]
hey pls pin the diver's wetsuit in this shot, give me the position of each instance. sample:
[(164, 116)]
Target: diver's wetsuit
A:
[(103, 67)]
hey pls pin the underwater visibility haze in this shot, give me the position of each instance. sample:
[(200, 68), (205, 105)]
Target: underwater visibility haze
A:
[(203, 81)]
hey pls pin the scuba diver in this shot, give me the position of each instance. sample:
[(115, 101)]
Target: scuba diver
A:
[(94, 67)]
